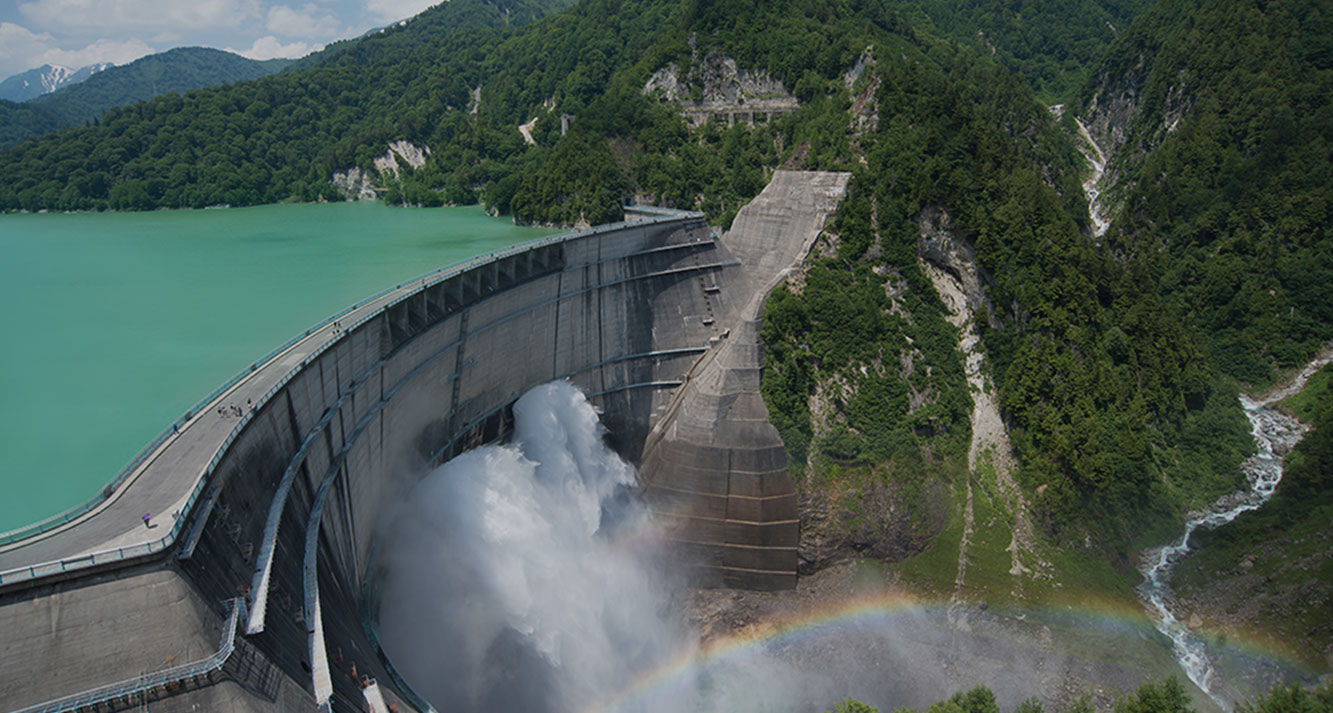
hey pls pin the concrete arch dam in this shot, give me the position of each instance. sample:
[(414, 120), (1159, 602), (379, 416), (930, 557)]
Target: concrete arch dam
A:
[(261, 597)]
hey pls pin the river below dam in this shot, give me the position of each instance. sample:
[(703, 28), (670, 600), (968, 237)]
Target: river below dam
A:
[(1275, 434), (115, 323)]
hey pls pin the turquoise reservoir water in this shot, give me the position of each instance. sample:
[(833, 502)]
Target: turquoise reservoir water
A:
[(113, 324)]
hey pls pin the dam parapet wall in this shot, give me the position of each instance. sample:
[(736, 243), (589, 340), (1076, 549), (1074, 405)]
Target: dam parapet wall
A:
[(280, 508)]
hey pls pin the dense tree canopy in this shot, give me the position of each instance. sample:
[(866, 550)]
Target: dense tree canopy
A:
[(1231, 211)]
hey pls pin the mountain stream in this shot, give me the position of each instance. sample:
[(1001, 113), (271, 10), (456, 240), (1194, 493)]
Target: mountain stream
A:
[(1092, 184), (1274, 434)]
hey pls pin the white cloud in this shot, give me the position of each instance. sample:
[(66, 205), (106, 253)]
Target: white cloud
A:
[(391, 10), (19, 47), (113, 51), (305, 22), (22, 49), (269, 47), (114, 16)]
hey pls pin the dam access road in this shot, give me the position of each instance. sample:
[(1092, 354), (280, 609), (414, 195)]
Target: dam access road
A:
[(256, 589)]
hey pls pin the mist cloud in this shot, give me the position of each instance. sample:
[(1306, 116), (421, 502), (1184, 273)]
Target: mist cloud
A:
[(525, 577)]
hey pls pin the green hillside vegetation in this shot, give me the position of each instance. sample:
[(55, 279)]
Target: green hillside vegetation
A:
[(20, 121), (1232, 214), (1117, 419), (1053, 44)]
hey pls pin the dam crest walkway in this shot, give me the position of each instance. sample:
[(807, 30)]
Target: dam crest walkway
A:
[(169, 476)]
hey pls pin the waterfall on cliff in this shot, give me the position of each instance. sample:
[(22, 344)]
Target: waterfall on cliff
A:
[(526, 576)]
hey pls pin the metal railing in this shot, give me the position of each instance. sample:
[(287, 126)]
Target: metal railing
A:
[(139, 686), (156, 546)]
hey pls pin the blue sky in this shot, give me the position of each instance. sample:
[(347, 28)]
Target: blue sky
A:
[(75, 33)]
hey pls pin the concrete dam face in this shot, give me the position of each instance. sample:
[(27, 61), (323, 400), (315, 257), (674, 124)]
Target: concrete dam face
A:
[(275, 551)]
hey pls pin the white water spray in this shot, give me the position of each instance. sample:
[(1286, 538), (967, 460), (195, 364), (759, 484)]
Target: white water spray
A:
[(526, 576), (1274, 435)]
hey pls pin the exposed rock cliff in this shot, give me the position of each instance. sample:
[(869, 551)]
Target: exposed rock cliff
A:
[(714, 87), (1123, 125), (363, 185), (950, 262), (355, 184)]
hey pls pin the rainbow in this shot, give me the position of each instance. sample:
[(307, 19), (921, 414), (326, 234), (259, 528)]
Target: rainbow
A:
[(754, 640), (681, 670)]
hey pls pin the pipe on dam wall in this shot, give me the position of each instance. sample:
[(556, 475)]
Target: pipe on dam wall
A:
[(294, 503)]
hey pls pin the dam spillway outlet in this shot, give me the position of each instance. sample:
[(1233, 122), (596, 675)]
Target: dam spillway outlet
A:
[(528, 576), (284, 506)]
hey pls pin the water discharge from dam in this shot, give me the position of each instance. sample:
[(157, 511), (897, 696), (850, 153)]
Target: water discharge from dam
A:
[(527, 576), (1275, 434)]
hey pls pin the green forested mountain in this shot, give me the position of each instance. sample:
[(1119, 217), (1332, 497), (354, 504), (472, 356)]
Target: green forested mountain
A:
[(282, 137), (1228, 172), (1054, 44), (177, 70), (1114, 359), (1105, 393)]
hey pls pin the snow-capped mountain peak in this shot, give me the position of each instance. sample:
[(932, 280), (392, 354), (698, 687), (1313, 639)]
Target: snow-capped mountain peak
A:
[(45, 79)]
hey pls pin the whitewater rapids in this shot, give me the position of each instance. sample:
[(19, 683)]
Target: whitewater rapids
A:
[(1275, 434)]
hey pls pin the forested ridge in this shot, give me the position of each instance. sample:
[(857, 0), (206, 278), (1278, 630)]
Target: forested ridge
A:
[(1116, 361), (1228, 188), (269, 140), (22, 120), (1048, 42), (176, 70)]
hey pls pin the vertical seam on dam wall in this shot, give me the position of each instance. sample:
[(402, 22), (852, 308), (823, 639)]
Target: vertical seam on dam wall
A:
[(601, 315), (555, 330)]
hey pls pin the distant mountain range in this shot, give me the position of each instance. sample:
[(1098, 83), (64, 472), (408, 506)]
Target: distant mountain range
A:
[(46, 79), (52, 97)]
